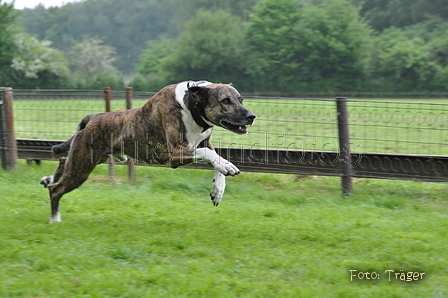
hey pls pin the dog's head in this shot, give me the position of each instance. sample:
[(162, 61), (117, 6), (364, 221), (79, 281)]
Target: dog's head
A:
[(221, 105)]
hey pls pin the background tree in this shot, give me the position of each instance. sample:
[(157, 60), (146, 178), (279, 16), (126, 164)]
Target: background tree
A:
[(383, 14), (91, 62), (311, 47), (38, 64), (337, 41), (26, 62), (438, 52), (36, 21), (438, 45), (401, 64), (125, 24), (149, 75), (240, 8), (284, 45), (7, 46), (275, 44), (211, 47)]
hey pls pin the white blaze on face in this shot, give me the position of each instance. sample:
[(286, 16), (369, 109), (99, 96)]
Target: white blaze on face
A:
[(194, 132)]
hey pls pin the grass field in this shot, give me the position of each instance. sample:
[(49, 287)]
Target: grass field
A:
[(272, 236), (376, 126)]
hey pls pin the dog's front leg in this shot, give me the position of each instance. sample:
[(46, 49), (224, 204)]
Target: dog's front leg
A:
[(222, 167), (219, 186), (221, 164)]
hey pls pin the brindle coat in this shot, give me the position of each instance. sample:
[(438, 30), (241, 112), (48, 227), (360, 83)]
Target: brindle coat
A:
[(162, 131)]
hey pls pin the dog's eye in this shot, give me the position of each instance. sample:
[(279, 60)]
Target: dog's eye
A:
[(226, 101)]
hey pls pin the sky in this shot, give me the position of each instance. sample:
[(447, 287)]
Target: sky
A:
[(21, 4)]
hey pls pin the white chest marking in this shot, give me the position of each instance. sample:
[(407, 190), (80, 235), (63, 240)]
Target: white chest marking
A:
[(194, 132)]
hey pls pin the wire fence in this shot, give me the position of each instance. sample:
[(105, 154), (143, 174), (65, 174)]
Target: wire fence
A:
[(55, 114), (399, 127), (389, 138), (376, 126)]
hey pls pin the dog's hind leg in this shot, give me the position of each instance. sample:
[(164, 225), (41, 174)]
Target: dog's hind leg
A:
[(66, 184), (55, 215), (58, 173), (57, 190), (76, 170), (47, 180)]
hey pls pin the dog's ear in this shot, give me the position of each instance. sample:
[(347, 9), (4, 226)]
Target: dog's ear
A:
[(196, 89), (197, 92)]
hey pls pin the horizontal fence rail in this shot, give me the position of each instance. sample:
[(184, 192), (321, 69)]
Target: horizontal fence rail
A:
[(365, 165), (394, 138)]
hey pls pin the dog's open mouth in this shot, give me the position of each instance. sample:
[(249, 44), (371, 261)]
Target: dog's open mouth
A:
[(239, 129)]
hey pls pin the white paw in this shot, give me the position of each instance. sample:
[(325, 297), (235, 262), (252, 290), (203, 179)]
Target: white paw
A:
[(55, 218), (226, 167), (219, 185), (219, 163), (46, 180)]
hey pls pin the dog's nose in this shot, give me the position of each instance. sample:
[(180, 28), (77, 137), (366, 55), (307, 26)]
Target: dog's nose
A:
[(251, 117)]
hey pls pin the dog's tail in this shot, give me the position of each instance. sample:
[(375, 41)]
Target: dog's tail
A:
[(65, 147), (62, 148)]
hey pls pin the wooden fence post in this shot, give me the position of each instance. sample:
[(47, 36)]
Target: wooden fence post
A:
[(131, 167), (345, 158), (108, 98), (8, 144)]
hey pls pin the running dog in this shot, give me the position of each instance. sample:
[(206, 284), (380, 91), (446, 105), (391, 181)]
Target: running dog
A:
[(173, 127)]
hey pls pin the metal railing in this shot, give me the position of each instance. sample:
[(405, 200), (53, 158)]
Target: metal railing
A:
[(390, 138)]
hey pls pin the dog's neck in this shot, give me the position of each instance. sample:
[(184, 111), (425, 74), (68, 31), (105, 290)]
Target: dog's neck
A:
[(198, 114)]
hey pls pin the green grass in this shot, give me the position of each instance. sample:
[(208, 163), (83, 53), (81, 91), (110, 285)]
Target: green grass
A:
[(376, 126), (272, 236)]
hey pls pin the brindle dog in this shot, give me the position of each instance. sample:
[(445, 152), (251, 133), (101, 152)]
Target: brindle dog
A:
[(173, 127)]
